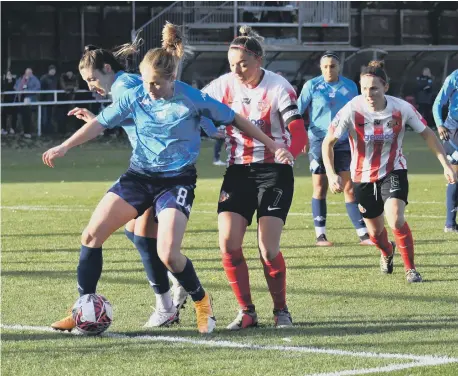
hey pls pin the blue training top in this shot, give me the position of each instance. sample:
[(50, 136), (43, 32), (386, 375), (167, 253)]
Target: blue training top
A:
[(168, 131), (448, 93), (124, 81), (323, 100)]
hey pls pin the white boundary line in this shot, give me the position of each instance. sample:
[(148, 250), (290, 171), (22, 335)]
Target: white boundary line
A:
[(83, 209), (419, 360)]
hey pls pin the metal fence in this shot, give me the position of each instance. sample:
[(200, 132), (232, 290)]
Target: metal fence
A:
[(211, 22), (54, 102)]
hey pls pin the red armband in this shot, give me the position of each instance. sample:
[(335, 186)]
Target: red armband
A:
[(299, 137)]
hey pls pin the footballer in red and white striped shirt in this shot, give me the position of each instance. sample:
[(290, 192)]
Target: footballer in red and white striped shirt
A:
[(376, 123)]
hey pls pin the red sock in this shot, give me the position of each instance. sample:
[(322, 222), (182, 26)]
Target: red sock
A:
[(275, 273), (382, 243), (404, 242), (236, 269)]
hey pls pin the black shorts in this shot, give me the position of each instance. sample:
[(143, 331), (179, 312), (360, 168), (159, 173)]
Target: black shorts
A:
[(263, 187), (143, 192), (371, 197), (451, 146)]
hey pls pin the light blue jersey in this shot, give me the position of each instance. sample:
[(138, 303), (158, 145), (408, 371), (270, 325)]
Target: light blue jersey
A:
[(448, 93), (323, 100), (168, 131), (123, 82)]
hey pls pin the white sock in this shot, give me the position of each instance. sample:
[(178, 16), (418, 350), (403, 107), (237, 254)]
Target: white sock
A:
[(174, 280), (164, 301), (320, 231)]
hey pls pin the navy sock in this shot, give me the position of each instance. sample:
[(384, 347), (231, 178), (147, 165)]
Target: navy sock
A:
[(356, 218), (190, 282), (89, 269), (156, 271), (319, 211), (451, 204), (129, 234)]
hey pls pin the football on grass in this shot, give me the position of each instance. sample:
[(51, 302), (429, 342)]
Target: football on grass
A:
[(93, 314)]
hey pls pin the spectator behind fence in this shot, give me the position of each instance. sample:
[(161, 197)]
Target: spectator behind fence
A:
[(424, 95), (48, 82), (69, 83), (8, 85), (28, 82)]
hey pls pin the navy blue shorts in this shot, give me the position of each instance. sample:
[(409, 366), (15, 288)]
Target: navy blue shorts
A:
[(342, 159), (451, 146), (159, 192)]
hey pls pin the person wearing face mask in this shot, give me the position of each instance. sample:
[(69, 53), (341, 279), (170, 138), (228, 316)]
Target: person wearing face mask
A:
[(323, 97), (375, 124), (166, 113), (255, 180)]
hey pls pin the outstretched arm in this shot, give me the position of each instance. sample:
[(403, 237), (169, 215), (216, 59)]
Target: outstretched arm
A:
[(87, 132), (281, 153)]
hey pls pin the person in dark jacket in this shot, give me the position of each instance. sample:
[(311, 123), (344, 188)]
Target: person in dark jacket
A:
[(424, 95), (8, 80), (48, 81)]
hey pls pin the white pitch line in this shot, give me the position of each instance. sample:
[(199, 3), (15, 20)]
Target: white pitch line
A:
[(81, 209), (343, 203), (426, 359), (385, 369)]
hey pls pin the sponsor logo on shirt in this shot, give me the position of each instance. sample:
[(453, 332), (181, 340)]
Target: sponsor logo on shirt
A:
[(392, 123), (257, 122), (246, 100), (262, 105), (379, 137)]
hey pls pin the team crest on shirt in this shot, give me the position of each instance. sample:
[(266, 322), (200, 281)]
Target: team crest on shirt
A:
[(392, 123), (223, 196), (262, 105)]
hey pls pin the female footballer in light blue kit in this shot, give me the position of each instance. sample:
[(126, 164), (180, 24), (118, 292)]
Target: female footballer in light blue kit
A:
[(104, 73), (167, 114), (448, 132), (324, 96)]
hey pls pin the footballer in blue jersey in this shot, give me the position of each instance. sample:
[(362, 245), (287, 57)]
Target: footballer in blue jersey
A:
[(448, 132), (323, 97), (142, 230), (167, 114)]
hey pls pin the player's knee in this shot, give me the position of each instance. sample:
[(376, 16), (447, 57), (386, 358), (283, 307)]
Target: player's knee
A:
[(89, 238), (229, 245), (319, 192), (267, 251), (395, 222), (348, 192), (170, 255)]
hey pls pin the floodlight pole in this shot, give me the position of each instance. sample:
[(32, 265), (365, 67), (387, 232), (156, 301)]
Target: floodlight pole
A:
[(132, 33)]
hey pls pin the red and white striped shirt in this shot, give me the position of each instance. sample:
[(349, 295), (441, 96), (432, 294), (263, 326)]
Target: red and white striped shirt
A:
[(270, 106), (376, 137)]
